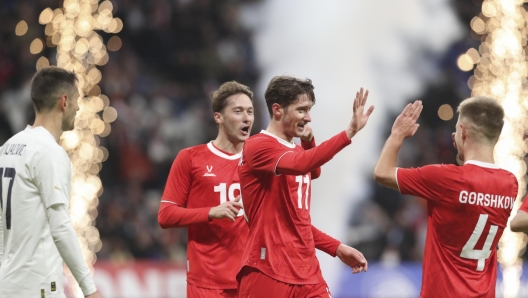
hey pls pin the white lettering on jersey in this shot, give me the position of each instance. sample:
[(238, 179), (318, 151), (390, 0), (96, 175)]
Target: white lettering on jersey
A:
[(209, 172), (487, 200)]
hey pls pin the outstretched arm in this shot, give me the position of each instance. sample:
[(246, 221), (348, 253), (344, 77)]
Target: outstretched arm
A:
[(405, 126), (309, 160)]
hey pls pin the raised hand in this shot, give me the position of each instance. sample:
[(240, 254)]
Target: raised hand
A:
[(359, 118), (226, 210), (405, 125), (307, 134), (352, 257)]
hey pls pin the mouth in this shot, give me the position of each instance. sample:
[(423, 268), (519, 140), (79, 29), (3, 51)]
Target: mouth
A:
[(245, 130), (300, 126)]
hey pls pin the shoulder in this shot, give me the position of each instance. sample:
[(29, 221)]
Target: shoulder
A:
[(194, 150)]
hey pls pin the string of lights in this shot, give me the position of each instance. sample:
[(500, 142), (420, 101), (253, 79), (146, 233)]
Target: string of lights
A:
[(71, 29), (501, 72)]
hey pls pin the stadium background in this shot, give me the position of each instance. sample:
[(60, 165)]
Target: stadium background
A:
[(174, 53)]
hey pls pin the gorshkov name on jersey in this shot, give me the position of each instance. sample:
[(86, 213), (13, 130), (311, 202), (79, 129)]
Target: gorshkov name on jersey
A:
[(486, 200)]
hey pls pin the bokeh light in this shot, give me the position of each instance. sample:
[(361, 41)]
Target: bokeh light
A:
[(80, 49), (36, 46), (500, 73), (445, 112), (21, 28)]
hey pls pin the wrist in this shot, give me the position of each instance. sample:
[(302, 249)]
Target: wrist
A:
[(396, 137), (350, 132)]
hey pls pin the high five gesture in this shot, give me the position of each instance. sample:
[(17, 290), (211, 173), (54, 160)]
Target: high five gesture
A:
[(359, 118)]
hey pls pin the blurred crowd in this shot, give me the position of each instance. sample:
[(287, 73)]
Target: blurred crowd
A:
[(174, 54)]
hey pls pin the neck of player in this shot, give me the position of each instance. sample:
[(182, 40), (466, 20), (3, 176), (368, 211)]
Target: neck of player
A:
[(479, 152), (224, 143), (276, 129), (51, 122)]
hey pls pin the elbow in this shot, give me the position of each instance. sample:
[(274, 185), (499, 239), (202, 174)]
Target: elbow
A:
[(379, 176), (162, 220)]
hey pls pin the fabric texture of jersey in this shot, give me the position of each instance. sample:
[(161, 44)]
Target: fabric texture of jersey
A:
[(281, 238), (37, 174), (468, 208), (202, 177)]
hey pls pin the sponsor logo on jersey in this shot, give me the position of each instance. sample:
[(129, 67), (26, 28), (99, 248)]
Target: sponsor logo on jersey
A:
[(209, 172)]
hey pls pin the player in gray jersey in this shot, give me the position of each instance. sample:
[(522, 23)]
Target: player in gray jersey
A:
[(36, 234)]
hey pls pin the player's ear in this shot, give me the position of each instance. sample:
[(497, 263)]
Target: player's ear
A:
[(218, 117), (277, 110), (63, 102), (463, 131)]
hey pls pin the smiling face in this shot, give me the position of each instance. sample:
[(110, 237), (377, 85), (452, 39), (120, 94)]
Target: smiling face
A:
[(296, 116), (236, 119)]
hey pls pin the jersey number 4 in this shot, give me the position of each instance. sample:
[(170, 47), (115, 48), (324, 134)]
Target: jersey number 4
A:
[(7, 173), (469, 251)]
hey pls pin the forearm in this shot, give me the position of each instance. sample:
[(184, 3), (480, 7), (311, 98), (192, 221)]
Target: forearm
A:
[(324, 242), (171, 215), (385, 171), (519, 223), (68, 246), (307, 146), (310, 160)]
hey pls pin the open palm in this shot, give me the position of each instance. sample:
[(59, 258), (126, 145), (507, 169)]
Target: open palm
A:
[(359, 117)]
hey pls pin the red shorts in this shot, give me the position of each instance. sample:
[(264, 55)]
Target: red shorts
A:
[(256, 284), (197, 292)]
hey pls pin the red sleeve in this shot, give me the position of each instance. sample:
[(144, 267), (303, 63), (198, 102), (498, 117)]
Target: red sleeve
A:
[(324, 242), (427, 182), (524, 205), (300, 163), (309, 145), (172, 213)]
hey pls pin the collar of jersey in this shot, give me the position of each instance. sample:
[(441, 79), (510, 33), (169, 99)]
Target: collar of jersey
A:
[(482, 164), (282, 141), (222, 154), (41, 128)]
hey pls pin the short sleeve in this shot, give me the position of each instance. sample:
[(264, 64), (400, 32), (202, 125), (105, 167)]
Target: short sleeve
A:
[(263, 155), (429, 182), (52, 175), (179, 181)]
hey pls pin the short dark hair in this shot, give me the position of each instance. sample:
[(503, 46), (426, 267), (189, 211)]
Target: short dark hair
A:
[(48, 84), (227, 89), (485, 115), (284, 90)]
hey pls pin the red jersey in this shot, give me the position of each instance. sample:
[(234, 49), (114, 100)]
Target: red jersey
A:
[(468, 208), (282, 241), (202, 177)]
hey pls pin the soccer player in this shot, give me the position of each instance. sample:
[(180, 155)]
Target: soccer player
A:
[(519, 222), (36, 234), (202, 193), (275, 175), (468, 206)]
